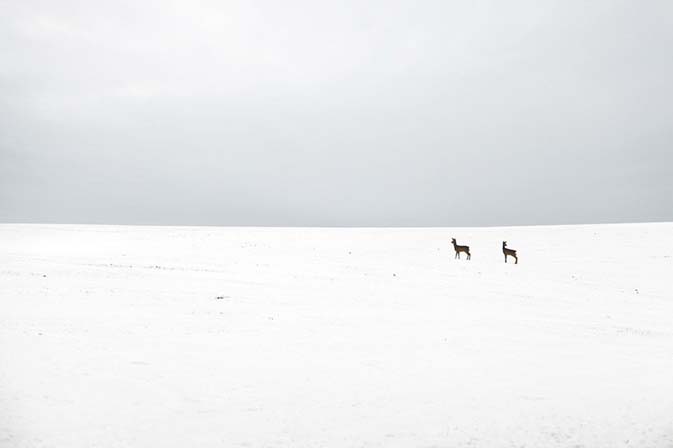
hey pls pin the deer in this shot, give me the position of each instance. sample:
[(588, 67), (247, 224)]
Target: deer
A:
[(510, 252), (460, 249)]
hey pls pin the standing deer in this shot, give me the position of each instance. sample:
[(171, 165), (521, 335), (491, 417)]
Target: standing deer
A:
[(510, 252), (460, 249)]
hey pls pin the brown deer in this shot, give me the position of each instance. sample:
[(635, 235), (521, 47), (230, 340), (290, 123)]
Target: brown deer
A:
[(460, 249), (510, 252)]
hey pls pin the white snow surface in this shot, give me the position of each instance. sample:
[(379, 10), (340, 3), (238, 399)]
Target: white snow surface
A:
[(114, 336)]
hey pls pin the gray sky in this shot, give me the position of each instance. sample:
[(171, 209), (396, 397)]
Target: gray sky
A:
[(381, 113)]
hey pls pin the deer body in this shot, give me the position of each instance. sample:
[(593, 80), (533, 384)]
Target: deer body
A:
[(460, 249), (510, 252)]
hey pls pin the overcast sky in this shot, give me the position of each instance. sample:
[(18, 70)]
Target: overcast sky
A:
[(384, 113)]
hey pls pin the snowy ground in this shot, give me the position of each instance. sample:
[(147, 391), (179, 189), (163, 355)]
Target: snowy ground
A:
[(115, 336)]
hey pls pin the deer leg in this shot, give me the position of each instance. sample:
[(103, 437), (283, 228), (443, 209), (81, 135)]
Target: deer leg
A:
[(516, 260), (505, 258)]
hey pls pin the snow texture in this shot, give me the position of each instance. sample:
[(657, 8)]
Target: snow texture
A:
[(114, 336)]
